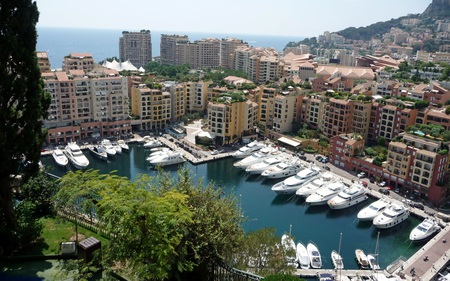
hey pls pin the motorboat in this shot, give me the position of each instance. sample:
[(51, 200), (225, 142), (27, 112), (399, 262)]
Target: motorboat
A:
[(283, 170), (144, 139), (256, 157), (391, 216), (374, 209), (322, 196), (362, 259), (293, 183), (314, 255), (169, 158), (98, 152), (315, 184), (324, 276), (302, 256), (76, 156), (158, 153), (125, 147), (350, 196), (153, 143), (337, 260), (373, 262), (288, 245), (107, 146), (117, 147), (248, 149), (425, 230), (258, 168), (60, 158)]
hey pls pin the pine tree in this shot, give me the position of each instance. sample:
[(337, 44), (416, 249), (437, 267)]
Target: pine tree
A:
[(23, 105)]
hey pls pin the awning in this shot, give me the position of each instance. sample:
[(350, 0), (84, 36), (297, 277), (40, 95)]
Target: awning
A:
[(289, 142)]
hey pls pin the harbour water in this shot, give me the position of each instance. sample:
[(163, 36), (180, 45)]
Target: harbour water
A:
[(264, 208)]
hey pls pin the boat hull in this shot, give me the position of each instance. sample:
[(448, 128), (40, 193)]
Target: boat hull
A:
[(348, 204)]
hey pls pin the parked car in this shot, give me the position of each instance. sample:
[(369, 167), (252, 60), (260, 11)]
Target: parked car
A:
[(382, 184), (362, 175), (302, 157), (418, 205), (383, 191), (324, 160), (372, 180), (319, 157), (397, 190), (364, 183)]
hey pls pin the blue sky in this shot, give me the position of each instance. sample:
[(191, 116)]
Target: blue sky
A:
[(281, 17)]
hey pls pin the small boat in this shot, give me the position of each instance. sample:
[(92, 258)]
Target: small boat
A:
[(153, 143), (158, 153), (348, 197), (321, 196), (169, 158), (373, 263), (425, 230), (288, 245), (361, 258), (337, 260), (76, 156), (374, 209), (314, 255), (117, 147), (248, 149), (123, 145), (292, 184), (107, 146), (325, 276), (98, 152), (144, 139), (258, 168), (283, 170), (391, 216), (315, 185), (60, 158), (302, 256)]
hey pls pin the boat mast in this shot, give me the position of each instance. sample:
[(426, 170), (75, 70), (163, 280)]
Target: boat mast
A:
[(376, 250), (339, 252)]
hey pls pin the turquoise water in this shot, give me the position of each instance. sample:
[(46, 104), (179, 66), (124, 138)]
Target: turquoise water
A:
[(265, 209)]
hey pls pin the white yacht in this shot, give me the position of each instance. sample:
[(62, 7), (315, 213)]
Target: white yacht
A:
[(117, 147), (123, 145), (321, 196), (256, 157), (169, 158), (292, 184), (107, 146), (348, 197), (283, 169), (60, 158), (337, 260), (258, 168), (314, 255), (374, 209), (248, 149), (76, 156), (362, 259), (289, 246), (391, 216), (98, 152), (315, 184), (425, 230), (144, 139), (302, 256), (373, 262), (158, 153), (153, 143)]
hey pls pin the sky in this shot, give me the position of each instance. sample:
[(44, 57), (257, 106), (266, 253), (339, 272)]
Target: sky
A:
[(263, 17)]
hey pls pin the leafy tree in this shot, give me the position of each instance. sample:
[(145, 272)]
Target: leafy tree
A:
[(23, 105), (40, 190)]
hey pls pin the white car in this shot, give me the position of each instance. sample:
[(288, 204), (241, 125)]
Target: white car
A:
[(382, 184), (362, 175)]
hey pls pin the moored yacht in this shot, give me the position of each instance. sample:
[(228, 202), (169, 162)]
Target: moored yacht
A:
[(60, 158), (362, 259), (373, 262), (76, 156), (153, 143), (314, 255), (158, 153), (348, 197), (391, 216), (283, 169), (125, 147), (248, 149), (169, 158), (425, 230), (292, 184), (98, 152), (374, 209), (107, 146), (117, 147), (289, 247), (321, 196), (256, 157), (337, 260), (302, 256), (258, 168), (315, 184)]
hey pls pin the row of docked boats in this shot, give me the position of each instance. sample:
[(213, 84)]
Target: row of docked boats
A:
[(300, 255), (150, 142), (73, 154)]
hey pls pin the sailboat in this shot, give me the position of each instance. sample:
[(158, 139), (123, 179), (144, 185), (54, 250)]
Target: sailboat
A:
[(373, 262), (336, 257)]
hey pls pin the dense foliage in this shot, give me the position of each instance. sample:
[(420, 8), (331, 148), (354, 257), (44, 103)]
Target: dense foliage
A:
[(23, 105)]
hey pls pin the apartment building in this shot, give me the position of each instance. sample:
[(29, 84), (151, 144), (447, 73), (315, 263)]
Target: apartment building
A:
[(435, 117), (312, 111), (78, 61), (332, 83), (361, 118), (177, 99), (285, 111), (86, 105), (168, 48), (136, 47), (151, 107), (432, 92), (230, 118), (266, 100), (43, 61), (227, 47), (261, 64), (338, 117), (196, 96)]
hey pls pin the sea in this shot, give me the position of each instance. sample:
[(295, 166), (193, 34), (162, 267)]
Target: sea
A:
[(104, 43), (263, 208)]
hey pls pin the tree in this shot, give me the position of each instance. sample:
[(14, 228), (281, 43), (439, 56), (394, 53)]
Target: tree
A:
[(23, 105)]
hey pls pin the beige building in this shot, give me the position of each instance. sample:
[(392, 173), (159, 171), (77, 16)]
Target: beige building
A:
[(168, 48), (261, 64), (284, 112), (227, 47), (78, 61), (196, 96), (43, 61), (136, 47)]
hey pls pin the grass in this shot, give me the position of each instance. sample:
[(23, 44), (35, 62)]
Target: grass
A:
[(57, 230)]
